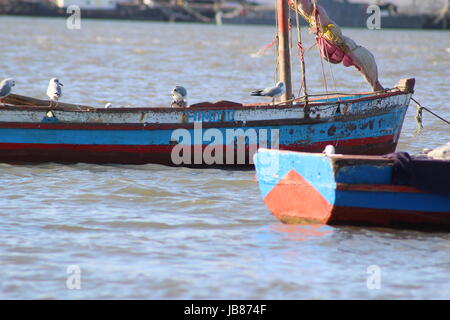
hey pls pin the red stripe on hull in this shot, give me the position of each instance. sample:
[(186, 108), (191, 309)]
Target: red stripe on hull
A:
[(377, 188), (439, 221), (99, 154), (370, 146), (140, 154)]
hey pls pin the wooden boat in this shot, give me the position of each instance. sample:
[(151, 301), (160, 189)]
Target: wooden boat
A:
[(32, 130), (315, 188)]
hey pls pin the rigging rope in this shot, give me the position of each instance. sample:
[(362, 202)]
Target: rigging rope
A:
[(301, 54), (419, 120), (317, 27), (265, 48), (332, 76), (290, 40), (277, 48)]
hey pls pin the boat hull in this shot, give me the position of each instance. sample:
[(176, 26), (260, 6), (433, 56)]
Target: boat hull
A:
[(366, 124), (303, 188)]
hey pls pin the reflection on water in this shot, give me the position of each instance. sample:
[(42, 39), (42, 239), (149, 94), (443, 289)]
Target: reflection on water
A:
[(302, 232), (175, 233)]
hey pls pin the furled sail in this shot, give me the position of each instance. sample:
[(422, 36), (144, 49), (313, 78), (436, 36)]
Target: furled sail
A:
[(333, 45)]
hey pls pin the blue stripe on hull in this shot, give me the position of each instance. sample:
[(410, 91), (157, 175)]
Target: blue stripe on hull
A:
[(422, 202), (376, 126)]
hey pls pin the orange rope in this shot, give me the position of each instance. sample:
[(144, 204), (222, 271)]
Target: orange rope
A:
[(266, 47)]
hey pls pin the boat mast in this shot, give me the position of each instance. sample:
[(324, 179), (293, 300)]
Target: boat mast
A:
[(284, 60)]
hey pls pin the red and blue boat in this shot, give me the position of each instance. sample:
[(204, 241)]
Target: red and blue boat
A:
[(383, 191), (32, 130)]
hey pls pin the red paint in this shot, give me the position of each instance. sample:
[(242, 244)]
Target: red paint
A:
[(377, 188), (295, 200), (71, 153), (302, 233), (373, 145), (86, 147), (390, 218), (281, 17)]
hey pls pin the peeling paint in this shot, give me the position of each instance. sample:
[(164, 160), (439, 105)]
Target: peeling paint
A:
[(332, 130)]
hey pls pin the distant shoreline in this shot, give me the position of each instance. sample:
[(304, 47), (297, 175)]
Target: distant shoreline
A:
[(353, 16)]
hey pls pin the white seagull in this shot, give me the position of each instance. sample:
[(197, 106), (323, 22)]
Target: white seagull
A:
[(329, 150), (271, 92), (6, 87), (54, 90), (179, 96), (108, 105)]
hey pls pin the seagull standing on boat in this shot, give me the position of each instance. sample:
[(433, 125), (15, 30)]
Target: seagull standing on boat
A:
[(108, 105), (54, 90), (179, 96), (329, 150), (271, 92), (6, 87)]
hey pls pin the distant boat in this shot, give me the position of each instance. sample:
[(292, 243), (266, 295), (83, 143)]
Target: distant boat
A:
[(314, 188)]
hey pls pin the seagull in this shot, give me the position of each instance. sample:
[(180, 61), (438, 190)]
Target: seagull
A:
[(329, 150), (179, 96), (271, 92), (108, 105), (54, 91), (6, 87)]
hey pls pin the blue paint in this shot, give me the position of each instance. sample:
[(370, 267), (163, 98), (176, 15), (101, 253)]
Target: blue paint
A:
[(50, 120), (86, 137), (364, 174), (341, 99), (272, 166), (393, 200)]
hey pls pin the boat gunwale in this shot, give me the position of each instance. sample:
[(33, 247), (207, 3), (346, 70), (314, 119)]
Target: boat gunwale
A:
[(335, 158), (190, 125), (265, 106)]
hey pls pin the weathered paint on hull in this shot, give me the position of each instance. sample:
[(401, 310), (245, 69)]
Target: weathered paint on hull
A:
[(124, 154), (303, 188), (360, 125)]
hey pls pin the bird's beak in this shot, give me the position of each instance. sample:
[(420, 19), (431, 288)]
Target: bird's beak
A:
[(61, 84)]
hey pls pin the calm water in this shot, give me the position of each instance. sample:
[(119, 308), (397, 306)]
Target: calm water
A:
[(153, 232)]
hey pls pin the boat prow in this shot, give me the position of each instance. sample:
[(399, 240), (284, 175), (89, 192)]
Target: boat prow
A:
[(384, 191)]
